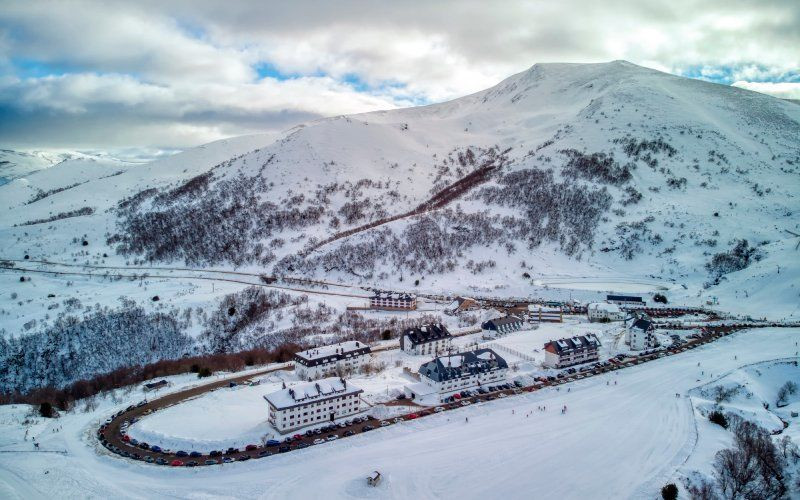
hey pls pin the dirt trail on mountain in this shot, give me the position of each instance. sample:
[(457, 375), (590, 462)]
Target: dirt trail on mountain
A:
[(437, 201)]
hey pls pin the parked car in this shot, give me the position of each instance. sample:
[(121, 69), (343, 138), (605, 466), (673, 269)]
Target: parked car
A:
[(161, 461), (384, 423), (231, 451), (412, 416), (349, 432), (134, 442), (319, 441), (227, 460), (332, 437), (518, 383), (155, 448), (215, 453), (264, 453), (242, 458), (181, 453), (438, 409), (176, 463), (273, 442), (211, 461), (366, 428), (283, 448), (302, 445), (195, 454), (191, 463), (251, 447)]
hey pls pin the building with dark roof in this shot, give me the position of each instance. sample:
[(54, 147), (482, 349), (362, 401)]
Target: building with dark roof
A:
[(393, 301), (432, 339), (328, 360), (572, 351), (452, 373), (155, 385), (504, 325), (626, 300), (640, 335)]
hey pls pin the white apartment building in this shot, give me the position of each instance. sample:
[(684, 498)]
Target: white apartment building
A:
[(572, 351), (311, 403), (603, 311), (430, 340), (393, 301), (327, 360), (640, 335), (453, 373)]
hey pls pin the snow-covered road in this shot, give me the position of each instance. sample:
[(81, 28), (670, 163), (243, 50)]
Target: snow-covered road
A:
[(615, 441)]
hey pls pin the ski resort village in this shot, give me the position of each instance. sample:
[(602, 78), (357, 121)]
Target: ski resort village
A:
[(299, 250)]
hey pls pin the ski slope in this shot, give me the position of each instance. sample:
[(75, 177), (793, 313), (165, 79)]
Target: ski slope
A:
[(622, 440)]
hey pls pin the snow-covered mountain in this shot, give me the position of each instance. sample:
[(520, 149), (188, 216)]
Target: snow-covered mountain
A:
[(563, 173)]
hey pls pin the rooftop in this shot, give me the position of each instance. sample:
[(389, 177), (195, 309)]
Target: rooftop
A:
[(567, 345), (310, 391), (427, 333), (333, 350), (462, 364)]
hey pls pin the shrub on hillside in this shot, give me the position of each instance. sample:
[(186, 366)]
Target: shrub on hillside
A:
[(669, 492), (46, 410), (735, 259), (718, 418)]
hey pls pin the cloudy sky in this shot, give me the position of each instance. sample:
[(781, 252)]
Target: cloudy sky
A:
[(165, 75)]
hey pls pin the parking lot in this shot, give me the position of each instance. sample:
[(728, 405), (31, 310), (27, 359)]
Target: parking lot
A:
[(113, 433)]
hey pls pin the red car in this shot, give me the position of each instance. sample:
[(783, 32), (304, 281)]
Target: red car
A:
[(412, 416), (176, 463), (126, 438), (250, 447), (297, 437)]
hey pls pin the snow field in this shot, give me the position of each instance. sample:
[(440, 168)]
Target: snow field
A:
[(615, 441)]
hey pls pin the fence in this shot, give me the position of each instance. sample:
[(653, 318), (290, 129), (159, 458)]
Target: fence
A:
[(511, 351)]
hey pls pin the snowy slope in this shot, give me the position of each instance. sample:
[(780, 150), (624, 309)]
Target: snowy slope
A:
[(600, 177), (724, 150), (615, 441)]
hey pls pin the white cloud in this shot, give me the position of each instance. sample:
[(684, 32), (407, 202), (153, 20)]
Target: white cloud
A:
[(188, 66), (784, 90)]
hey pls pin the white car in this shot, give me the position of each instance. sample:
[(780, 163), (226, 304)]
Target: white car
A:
[(319, 441), (465, 403), (333, 437), (398, 420), (384, 423), (502, 395), (438, 409)]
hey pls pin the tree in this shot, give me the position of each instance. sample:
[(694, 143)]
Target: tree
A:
[(660, 298), (669, 492), (46, 410), (718, 418), (204, 372)]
